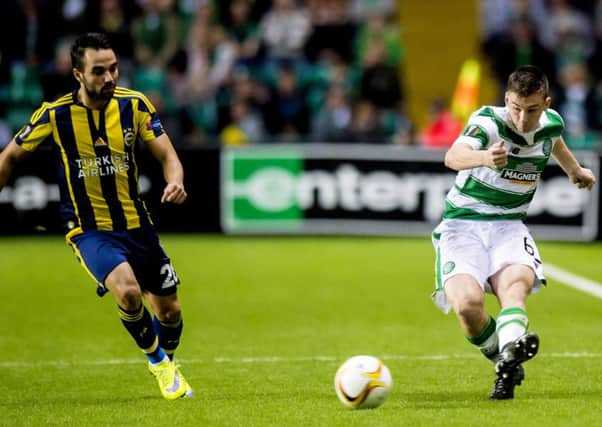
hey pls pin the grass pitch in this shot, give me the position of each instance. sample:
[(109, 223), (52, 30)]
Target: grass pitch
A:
[(267, 323)]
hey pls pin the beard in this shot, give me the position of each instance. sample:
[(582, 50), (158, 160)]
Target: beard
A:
[(104, 94)]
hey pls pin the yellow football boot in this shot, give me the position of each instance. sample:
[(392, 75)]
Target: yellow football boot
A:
[(189, 390), (171, 382)]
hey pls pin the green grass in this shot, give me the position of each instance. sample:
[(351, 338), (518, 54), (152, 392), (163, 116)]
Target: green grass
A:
[(267, 322)]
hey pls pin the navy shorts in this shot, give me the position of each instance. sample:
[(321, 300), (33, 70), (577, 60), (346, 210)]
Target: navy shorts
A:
[(99, 252)]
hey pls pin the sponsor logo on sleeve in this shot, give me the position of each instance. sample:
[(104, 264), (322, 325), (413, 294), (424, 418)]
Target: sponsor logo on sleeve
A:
[(24, 132), (473, 131), (155, 125)]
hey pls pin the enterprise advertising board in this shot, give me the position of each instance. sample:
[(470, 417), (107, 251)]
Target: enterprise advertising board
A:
[(374, 190)]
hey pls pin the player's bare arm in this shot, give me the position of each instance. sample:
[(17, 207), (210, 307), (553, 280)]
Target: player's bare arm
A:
[(173, 172), (8, 159), (463, 156), (580, 176)]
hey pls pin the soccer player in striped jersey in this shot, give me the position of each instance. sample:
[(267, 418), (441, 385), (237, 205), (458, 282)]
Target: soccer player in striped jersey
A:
[(94, 130), (482, 244)]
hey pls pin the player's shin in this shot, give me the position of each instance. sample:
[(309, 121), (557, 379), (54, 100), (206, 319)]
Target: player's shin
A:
[(512, 322), (140, 326), (169, 334), (487, 340)]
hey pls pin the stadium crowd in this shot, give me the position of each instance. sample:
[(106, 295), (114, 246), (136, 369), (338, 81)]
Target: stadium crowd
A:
[(260, 71), (562, 37)]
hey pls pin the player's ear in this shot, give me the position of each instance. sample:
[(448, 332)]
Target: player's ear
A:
[(548, 102), (78, 75)]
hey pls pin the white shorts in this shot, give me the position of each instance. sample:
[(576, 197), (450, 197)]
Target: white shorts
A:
[(480, 249)]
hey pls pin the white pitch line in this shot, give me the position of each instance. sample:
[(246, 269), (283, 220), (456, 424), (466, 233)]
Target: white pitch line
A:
[(574, 281), (273, 359)]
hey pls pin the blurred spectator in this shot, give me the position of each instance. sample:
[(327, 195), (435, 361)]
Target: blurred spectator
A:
[(22, 93), (176, 95), (564, 18), (496, 16), (380, 83), (595, 59), (28, 29), (244, 86), (403, 128), (442, 128), (515, 47), (333, 120), (377, 28), (578, 103), (211, 56), (366, 124), (593, 109), (57, 77), (572, 34), (361, 9), (343, 74), (246, 125), (75, 16), (332, 33), (571, 96), (114, 20), (286, 113), (243, 31), (258, 9), (156, 34), (284, 30)]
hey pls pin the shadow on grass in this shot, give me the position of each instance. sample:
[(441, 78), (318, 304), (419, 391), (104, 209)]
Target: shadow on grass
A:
[(467, 399)]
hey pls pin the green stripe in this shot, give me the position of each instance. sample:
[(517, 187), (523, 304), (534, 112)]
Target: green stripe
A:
[(438, 283), (512, 310), (453, 212), (488, 330), (520, 322), (552, 130), (503, 129), (494, 196), (514, 162)]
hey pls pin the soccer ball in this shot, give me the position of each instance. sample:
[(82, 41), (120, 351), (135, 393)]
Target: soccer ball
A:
[(363, 382)]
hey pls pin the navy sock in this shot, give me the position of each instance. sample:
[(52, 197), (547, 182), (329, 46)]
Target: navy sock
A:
[(169, 334), (140, 326)]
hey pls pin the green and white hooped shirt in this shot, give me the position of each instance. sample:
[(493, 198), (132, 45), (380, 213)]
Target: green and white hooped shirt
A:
[(487, 193)]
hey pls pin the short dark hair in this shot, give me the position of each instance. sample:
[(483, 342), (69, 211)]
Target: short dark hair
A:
[(94, 41), (527, 80)]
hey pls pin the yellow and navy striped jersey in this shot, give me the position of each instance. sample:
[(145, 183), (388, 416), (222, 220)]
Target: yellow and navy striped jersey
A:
[(98, 175)]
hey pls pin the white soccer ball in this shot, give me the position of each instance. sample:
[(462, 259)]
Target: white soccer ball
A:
[(363, 382)]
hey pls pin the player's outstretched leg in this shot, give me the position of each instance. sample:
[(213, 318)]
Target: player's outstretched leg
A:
[(508, 368)]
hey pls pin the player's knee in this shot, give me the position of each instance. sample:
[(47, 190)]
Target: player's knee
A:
[(170, 313), (129, 295), (464, 295), (468, 307), (514, 292)]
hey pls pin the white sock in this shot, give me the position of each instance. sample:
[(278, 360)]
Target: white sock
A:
[(511, 323)]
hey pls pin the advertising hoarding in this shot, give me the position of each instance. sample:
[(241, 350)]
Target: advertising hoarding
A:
[(374, 190)]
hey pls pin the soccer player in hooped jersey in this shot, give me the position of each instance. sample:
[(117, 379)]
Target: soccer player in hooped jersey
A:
[(94, 129), (482, 244)]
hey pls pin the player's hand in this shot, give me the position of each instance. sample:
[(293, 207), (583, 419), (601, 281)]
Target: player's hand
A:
[(583, 178), (496, 156), (174, 193)]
